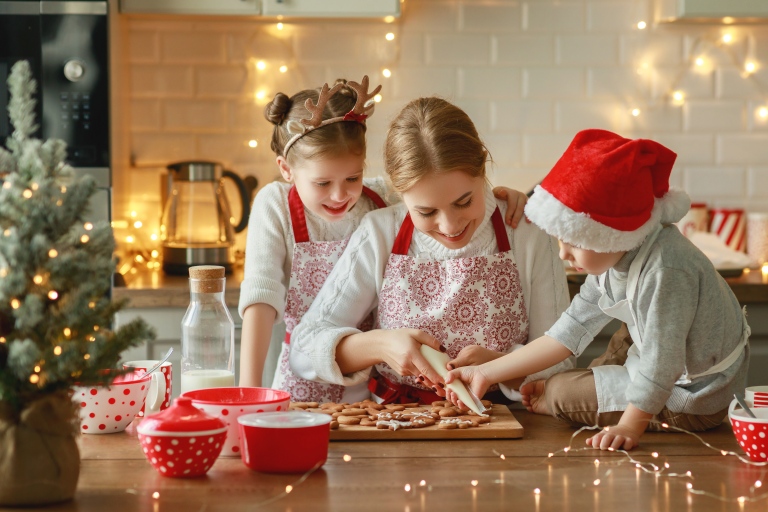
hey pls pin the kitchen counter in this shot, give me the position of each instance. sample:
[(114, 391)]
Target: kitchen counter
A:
[(461, 475), (155, 289)]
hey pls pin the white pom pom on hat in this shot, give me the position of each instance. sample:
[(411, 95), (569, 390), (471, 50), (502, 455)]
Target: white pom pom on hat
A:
[(607, 193)]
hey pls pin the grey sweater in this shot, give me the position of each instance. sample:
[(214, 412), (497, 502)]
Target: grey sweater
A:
[(687, 316)]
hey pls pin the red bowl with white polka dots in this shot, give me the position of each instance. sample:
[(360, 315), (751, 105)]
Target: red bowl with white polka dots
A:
[(751, 433), (229, 403), (109, 409), (182, 441)]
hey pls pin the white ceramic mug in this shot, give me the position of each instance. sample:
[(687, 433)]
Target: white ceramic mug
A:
[(159, 394)]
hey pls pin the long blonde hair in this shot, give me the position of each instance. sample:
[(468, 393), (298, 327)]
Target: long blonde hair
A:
[(431, 135), (330, 140)]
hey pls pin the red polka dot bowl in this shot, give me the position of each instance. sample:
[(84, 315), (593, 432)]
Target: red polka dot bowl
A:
[(284, 442), (229, 403), (751, 433), (182, 441), (109, 409)]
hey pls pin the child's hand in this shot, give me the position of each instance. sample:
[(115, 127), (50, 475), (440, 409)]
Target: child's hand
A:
[(473, 377), (616, 437), (515, 204), (403, 354), (473, 355)]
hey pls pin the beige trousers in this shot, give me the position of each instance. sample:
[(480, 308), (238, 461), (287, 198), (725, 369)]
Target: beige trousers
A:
[(572, 395)]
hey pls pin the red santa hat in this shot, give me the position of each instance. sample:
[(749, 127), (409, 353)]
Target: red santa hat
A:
[(607, 193)]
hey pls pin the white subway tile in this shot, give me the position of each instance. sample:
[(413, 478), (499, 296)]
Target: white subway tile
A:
[(490, 17), (258, 45), (616, 82), (731, 83), (666, 80), (554, 83), (757, 182), (200, 116), (720, 181), (478, 111), (143, 46), (412, 49), (154, 148), (247, 117), (201, 48), (690, 148), (572, 116), (221, 81), (458, 49), (225, 148), (701, 42), (756, 122), (545, 149), (490, 82), (537, 50), (430, 16), (145, 115), (413, 82), (587, 49), (161, 81), (505, 149), (749, 149), (713, 116), (553, 16), (521, 116), (522, 179), (656, 118), (161, 25), (616, 16), (651, 48)]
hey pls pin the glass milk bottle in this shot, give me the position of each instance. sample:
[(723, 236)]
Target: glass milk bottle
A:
[(207, 333)]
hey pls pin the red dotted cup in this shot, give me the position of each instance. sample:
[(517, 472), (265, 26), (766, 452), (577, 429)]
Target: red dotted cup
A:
[(109, 409), (162, 379), (751, 433), (229, 403)]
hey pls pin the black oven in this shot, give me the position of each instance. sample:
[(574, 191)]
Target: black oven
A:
[(66, 44)]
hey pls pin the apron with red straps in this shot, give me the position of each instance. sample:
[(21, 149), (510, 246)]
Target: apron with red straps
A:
[(312, 262), (461, 302)]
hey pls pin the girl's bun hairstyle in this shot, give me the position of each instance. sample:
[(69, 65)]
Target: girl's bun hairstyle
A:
[(278, 108)]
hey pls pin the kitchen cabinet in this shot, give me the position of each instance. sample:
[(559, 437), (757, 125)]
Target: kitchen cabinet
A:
[(272, 8), (712, 11)]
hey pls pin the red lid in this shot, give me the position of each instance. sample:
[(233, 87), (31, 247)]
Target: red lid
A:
[(182, 416)]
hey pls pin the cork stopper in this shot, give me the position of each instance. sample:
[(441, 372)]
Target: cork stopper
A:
[(207, 279)]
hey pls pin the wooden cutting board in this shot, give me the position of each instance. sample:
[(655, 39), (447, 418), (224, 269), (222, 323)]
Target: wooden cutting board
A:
[(503, 425)]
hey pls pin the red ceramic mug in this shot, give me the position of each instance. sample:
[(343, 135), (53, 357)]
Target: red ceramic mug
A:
[(161, 379)]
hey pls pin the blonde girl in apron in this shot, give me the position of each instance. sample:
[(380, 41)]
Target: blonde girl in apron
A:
[(441, 269)]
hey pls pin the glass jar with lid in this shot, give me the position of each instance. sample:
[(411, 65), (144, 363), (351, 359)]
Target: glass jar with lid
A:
[(207, 332)]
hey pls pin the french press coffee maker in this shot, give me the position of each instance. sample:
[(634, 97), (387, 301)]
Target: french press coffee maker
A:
[(197, 227)]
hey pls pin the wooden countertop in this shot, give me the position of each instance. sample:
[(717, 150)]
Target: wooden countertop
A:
[(153, 289), (115, 476)]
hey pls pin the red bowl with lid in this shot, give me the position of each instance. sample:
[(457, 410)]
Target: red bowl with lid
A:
[(182, 441), (284, 442), (228, 403)]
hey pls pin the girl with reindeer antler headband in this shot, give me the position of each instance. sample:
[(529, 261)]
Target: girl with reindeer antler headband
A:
[(298, 230), (441, 269)]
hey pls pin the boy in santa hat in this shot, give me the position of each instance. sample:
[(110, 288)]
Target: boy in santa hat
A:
[(682, 351)]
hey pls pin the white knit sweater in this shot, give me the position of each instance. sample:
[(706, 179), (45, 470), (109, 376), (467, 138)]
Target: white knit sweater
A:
[(351, 291)]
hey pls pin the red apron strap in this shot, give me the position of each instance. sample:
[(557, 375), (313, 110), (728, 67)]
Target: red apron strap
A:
[(392, 393), (287, 339), (501, 232), (298, 220), (404, 237), (376, 198)]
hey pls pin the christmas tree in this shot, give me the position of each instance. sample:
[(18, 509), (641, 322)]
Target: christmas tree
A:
[(55, 269)]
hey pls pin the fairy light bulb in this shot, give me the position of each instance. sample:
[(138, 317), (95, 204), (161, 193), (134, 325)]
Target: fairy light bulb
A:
[(389, 19), (260, 95), (7, 232), (750, 67), (57, 350), (347, 457), (279, 26), (407, 487), (27, 193), (678, 97), (34, 186), (762, 112), (53, 253), (67, 332), (474, 483), (422, 483), (7, 185), (84, 239), (596, 482), (283, 68), (758, 483), (537, 491), (641, 25), (386, 72), (252, 143), (88, 226), (377, 98), (261, 65), (635, 112), (699, 61), (727, 38), (390, 36), (15, 304), (138, 224), (53, 295), (63, 190), (87, 356), (37, 369), (288, 489), (38, 279), (34, 378), (129, 239)]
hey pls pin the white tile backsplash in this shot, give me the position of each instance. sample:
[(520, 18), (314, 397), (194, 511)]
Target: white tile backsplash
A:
[(530, 72)]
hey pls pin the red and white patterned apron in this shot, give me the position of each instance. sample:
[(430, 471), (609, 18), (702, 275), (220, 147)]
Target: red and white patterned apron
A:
[(461, 302), (312, 262)]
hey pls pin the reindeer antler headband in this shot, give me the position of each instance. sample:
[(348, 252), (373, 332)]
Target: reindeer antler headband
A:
[(362, 109)]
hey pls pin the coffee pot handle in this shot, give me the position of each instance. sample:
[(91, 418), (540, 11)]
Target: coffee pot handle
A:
[(244, 199)]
